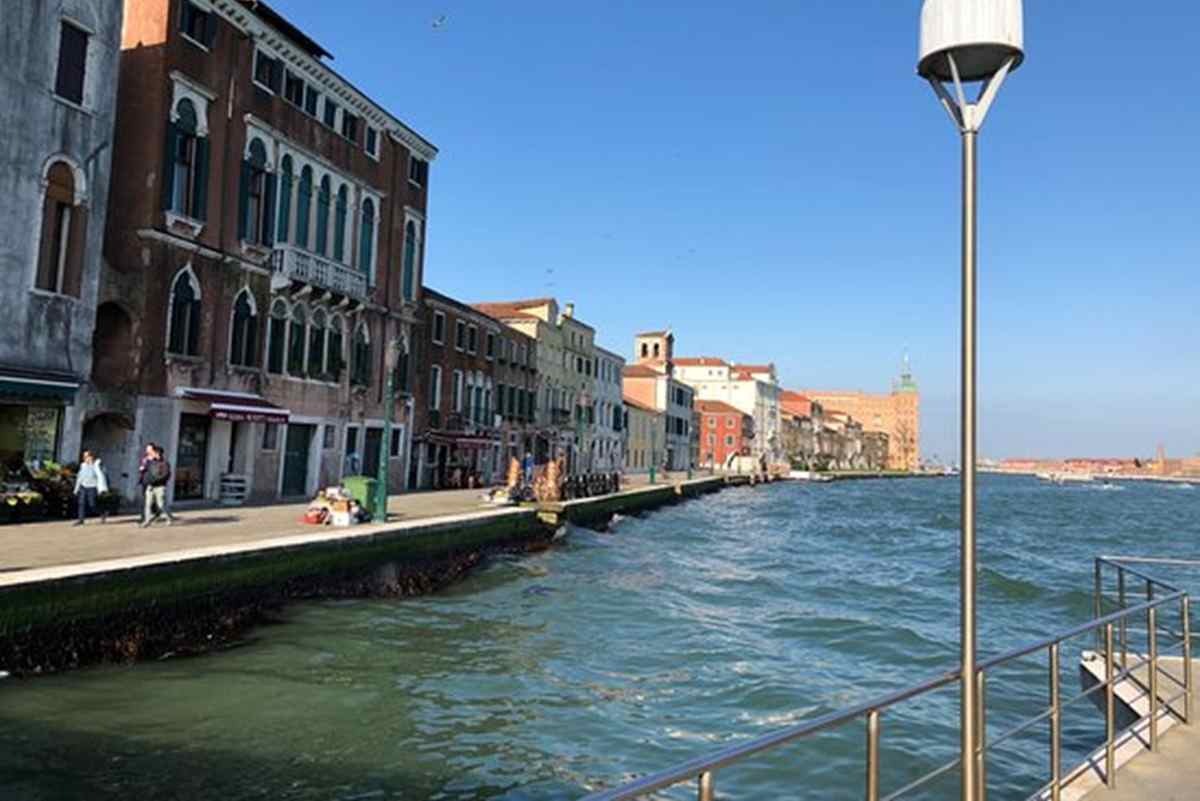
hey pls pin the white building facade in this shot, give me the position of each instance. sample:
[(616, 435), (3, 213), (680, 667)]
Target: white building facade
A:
[(751, 389), (609, 436)]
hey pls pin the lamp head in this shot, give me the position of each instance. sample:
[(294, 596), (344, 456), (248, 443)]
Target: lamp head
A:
[(982, 35)]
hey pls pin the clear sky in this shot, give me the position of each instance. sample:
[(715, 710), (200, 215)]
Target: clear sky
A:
[(773, 182)]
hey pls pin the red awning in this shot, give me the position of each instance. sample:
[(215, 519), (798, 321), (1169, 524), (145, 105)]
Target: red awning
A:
[(237, 407)]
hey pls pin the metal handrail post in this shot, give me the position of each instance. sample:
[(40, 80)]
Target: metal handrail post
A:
[(1187, 661), (707, 791), (1152, 622), (873, 755), (1110, 710), (1124, 628), (1055, 727), (981, 718), (1097, 606)]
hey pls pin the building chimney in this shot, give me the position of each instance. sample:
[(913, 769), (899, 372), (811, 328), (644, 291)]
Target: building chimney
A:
[(569, 310)]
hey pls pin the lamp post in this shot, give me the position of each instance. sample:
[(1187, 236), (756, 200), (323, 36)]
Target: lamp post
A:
[(391, 359), (969, 41)]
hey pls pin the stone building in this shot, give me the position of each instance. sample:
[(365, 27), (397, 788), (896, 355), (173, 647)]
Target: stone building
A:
[(608, 442), (897, 414), (754, 389), (725, 432), (59, 92), (566, 413), (476, 389), (651, 381), (263, 257), (646, 427)]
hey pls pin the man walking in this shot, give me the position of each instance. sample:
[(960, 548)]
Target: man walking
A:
[(155, 475), (90, 483)]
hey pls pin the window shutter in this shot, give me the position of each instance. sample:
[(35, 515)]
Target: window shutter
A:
[(244, 200), (200, 201), (269, 214), (276, 75), (210, 29), (168, 176), (193, 332)]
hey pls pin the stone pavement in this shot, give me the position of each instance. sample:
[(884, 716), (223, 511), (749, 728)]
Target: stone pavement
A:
[(36, 545), (30, 546)]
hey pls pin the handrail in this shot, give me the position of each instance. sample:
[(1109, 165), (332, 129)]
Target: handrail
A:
[(702, 768)]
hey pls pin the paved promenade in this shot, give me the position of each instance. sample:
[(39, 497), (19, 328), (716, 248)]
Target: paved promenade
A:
[(32, 546)]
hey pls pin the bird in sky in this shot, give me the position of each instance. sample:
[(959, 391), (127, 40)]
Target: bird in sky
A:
[(439, 22)]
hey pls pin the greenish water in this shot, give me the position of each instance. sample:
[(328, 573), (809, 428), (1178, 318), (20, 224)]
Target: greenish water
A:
[(618, 653)]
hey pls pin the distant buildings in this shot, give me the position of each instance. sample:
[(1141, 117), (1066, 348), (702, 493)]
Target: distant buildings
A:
[(725, 432), (752, 389), (897, 414), (651, 382)]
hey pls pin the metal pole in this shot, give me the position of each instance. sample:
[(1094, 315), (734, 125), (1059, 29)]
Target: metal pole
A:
[(967, 595), (385, 447), (706, 789), (873, 755), (1110, 710), (1187, 661), (982, 720), (1152, 615), (1097, 605), (1124, 627), (1055, 727)]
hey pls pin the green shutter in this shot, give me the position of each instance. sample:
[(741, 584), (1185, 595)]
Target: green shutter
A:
[(200, 201), (168, 176), (269, 212), (244, 200)]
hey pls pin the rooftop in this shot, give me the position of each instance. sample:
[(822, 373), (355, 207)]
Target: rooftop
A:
[(716, 407), (640, 371), (701, 361), (639, 405)]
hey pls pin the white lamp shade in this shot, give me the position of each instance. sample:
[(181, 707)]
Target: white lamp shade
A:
[(981, 34)]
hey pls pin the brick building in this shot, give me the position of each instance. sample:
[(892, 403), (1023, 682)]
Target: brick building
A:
[(724, 432), (60, 99), (263, 257), (476, 388)]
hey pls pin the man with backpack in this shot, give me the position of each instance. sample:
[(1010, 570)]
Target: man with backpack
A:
[(156, 473)]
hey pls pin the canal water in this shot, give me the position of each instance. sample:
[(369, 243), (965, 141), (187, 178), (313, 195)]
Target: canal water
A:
[(545, 676)]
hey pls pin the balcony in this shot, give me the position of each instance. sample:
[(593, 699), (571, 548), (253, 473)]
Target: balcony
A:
[(293, 264)]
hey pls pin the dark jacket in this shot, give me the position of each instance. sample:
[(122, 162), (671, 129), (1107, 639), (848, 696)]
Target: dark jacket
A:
[(144, 472)]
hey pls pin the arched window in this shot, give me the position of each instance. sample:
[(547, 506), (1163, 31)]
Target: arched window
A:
[(64, 228), (183, 335), (339, 224), (296, 337), (277, 337), (337, 359), (257, 197), (243, 342), (367, 238), (185, 175), (316, 345), (304, 206), (360, 368), (324, 197), (410, 260), (285, 199)]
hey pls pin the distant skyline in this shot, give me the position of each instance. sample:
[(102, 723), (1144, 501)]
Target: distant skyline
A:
[(775, 184)]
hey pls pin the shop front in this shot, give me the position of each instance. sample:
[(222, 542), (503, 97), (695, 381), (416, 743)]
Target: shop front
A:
[(215, 446), (32, 412)]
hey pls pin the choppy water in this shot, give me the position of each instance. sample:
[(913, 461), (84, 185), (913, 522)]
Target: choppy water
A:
[(546, 676)]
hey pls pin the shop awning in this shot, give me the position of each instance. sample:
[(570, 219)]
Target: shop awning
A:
[(237, 407), (38, 384)]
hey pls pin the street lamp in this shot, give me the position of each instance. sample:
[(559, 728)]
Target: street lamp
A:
[(969, 41), (395, 350)]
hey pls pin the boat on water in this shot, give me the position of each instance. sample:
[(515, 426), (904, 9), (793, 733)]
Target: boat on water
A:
[(1066, 478)]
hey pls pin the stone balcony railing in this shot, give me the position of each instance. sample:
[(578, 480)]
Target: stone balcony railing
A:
[(293, 264)]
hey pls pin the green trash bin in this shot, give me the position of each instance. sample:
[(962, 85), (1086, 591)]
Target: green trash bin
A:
[(362, 489)]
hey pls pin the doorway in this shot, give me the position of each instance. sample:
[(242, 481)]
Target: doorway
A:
[(191, 457), (372, 451), (295, 459)]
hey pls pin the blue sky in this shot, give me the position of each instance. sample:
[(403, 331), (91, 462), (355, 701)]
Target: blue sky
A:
[(774, 183)]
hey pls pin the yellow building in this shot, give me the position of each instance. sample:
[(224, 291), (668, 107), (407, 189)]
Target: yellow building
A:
[(647, 432)]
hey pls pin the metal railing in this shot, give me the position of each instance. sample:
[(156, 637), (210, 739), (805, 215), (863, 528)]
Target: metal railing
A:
[(1112, 632)]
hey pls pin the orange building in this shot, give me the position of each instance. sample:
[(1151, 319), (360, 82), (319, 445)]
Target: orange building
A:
[(897, 414)]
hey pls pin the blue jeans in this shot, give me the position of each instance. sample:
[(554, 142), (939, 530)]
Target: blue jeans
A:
[(87, 501)]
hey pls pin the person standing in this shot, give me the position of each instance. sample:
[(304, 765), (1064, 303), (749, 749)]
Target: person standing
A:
[(90, 483), (527, 466), (156, 475)]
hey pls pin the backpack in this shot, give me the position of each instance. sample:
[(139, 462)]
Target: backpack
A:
[(157, 471)]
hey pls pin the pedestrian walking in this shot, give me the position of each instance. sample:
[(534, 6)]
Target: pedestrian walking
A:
[(156, 473), (90, 484)]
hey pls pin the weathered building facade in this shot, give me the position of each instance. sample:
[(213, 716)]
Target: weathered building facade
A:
[(264, 257), (754, 389), (652, 381), (725, 432), (59, 92), (608, 439)]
